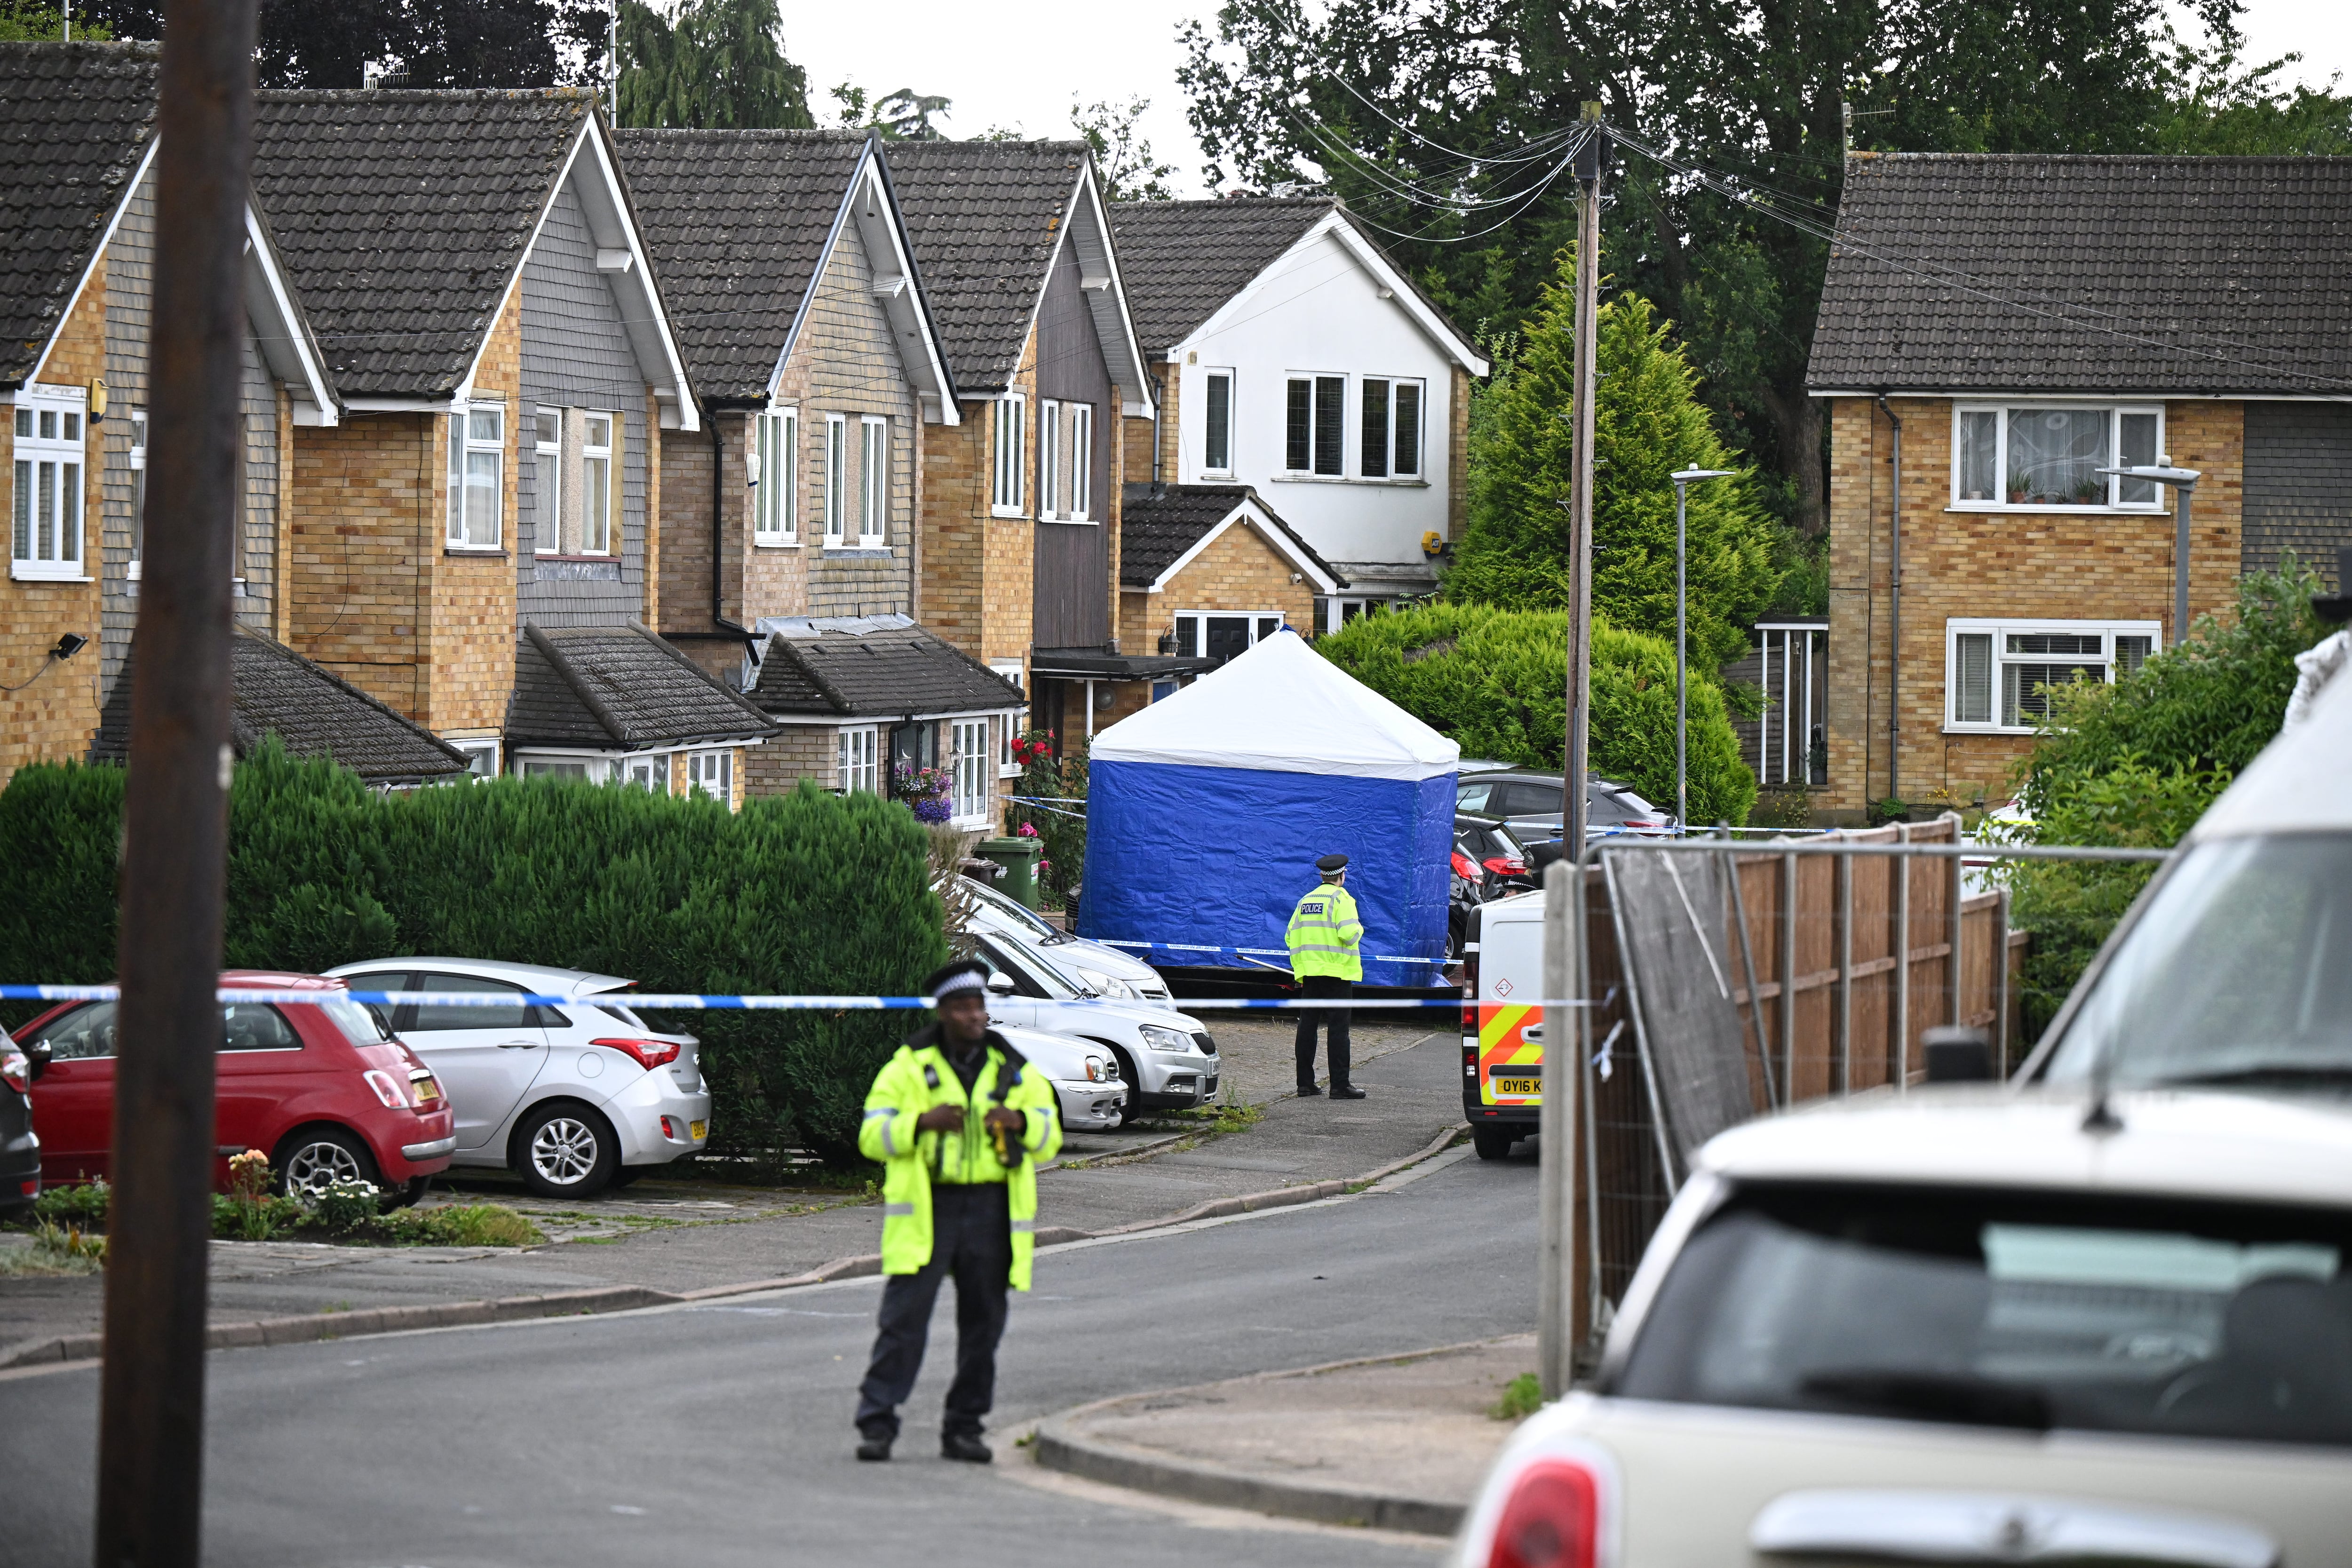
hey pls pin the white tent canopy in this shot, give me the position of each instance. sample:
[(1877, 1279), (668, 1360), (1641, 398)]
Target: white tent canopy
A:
[(1281, 708)]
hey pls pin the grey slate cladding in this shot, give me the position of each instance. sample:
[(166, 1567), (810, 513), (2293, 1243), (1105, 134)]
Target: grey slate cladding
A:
[(315, 714), (2021, 273), (402, 216), (885, 666), (74, 119), (983, 217), (736, 222), (618, 689), (1183, 260), (1159, 523), (2298, 493)]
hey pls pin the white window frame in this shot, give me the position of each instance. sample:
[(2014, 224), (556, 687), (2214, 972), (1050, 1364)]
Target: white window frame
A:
[(50, 514), (712, 773), (856, 753), (2001, 410), (973, 786), (774, 474), (1010, 457), (836, 458), (1209, 453), (1049, 458), (1999, 631), (1014, 724), (1198, 637), (1387, 398), (533, 764), (648, 773), (873, 481), (468, 531), (138, 498), (1082, 462), (1313, 380), (596, 473), (547, 485), (475, 753), (1339, 609)]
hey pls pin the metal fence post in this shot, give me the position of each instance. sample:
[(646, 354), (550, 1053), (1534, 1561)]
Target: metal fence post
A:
[(1789, 975), (1844, 1044), (1902, 863), (1562, 1049), (2000, 983)]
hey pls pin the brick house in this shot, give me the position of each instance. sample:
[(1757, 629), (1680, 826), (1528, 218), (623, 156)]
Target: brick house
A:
[(1021, 497), (1289, 354), (1207, 570), (1993, 329), (476, 277), (823, 380), (77, 195)]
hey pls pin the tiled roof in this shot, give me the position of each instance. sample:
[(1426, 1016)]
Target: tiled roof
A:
[(74, 119), (983, 217), (737, 221), (1159, 523), (401, 217), (2048, 273), (878, 666), (1183, 260), (618, 689), (313, 712)]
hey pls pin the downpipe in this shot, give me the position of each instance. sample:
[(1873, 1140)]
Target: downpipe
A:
[(1894, 619)]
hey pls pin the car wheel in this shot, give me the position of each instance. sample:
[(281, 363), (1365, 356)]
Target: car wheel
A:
[(1492, 1142), (563, 1149), (315, 1157), (1131, 1111)]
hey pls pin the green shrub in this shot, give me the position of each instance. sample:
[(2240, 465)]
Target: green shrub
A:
[(84, 1204), (260, 1217), (803, 893), (461, 1224), (1496, 682), (344, 1204)]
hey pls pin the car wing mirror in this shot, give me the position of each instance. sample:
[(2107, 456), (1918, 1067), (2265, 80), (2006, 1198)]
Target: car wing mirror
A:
[(37, 1057), (1000, 986), (1957, 1054)]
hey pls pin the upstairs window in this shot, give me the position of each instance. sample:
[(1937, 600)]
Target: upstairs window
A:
[(837, 474), (873, 480), (1217, 422), (2044, 457), (1391, 430), (44, 501), (1006, 488), (596, 485), (476, 476), (547, 484), (1315, 437), (2000, 673), (1081, 461), (1203, 634), (1049, 458), (775, 477)]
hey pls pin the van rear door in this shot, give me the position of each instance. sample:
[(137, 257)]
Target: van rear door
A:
[(1509, 1062)]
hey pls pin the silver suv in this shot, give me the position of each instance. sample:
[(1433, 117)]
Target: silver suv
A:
[(1168, 1059)]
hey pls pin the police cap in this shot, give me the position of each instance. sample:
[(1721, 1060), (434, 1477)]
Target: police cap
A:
[(964, 974), (1331, 863)]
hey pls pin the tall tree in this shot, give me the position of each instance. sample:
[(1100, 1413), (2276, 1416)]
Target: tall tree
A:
[(717, 66), (437, 43), (1130, 173)]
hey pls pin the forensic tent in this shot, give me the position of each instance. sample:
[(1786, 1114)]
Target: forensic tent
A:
[(1207, 811)]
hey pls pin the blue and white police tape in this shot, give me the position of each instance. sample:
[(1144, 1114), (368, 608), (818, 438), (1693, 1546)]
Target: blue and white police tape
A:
[(692, 1003), (1282, 952)]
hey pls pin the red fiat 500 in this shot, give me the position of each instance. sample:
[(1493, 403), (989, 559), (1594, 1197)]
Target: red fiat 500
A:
[(320, 1086)]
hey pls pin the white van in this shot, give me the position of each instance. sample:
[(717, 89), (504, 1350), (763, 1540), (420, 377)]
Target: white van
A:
[(1502, 1033)]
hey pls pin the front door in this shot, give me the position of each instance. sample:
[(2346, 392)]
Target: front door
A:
[(1229, 637), (484, 1056), (73, 1102)]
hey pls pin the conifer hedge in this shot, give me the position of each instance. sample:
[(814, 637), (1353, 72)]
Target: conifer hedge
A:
[(803, 893)]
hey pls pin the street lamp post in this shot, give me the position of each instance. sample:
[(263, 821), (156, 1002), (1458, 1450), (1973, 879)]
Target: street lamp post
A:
[(1683, 479), (2185, 482)]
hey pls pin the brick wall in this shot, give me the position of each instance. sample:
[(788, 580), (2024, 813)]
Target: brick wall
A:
[(366, 504), (682, 569), (1169, 425), (473, 622), (2106, 566), (801, 751), (1457, 456), (978, 571)]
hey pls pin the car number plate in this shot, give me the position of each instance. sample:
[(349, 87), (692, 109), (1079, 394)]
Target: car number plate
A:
[(1518, 1086), (695, 1130)]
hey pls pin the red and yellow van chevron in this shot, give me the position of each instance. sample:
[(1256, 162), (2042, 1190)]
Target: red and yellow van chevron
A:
[(1502, 1045)]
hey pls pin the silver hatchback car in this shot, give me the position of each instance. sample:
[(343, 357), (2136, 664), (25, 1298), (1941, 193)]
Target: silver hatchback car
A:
[(573, 1099)]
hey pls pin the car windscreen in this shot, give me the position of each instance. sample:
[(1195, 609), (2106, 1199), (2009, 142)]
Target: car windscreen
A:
[(361, 1025), (2239, 970), (2031, 1311), (1032, 926), (1033, 974)]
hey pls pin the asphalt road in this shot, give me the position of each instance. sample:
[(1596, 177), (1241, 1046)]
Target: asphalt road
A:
[(720, 1434)]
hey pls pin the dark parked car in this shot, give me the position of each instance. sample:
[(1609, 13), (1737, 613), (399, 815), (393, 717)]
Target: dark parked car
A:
[(1488, 864), (1527, 802), (20, 1151)]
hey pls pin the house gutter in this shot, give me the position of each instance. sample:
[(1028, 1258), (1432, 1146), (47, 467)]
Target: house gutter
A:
[(1894, 619)]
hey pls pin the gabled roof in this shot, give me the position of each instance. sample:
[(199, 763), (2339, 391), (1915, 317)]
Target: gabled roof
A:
[(1184, 259), (871, 667), (1163, 527), (988, 219), (1191, 263), (739, 223), (312, 711), (2032, 273), (618, 689), (76, 120)]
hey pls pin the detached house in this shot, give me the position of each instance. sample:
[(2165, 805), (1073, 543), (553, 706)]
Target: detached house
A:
[(822, 379), (1290, 355), (1993, 332)]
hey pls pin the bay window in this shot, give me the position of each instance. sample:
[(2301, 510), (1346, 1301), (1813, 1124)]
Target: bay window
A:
[(2044, 456), (1999, 674)]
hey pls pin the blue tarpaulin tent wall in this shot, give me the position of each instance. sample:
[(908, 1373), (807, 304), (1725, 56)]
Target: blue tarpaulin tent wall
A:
[(1206, 813)]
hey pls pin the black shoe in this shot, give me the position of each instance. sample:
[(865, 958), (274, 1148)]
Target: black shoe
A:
[(874, 1449), (955, 1446), (1346, 1091), (1309, 1090)]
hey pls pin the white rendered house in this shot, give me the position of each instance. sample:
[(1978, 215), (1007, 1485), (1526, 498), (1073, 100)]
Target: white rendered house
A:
[(1295, 358)]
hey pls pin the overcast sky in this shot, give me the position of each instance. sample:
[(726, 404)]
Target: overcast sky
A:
[(1006, 67)]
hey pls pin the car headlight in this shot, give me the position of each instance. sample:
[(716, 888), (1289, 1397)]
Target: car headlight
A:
[(1174, 1041), (1100, 1070), (1108, 985)]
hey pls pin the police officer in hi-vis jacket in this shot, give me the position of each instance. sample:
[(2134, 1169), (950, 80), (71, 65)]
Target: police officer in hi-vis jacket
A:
[(1323, 938), (958, 1121)]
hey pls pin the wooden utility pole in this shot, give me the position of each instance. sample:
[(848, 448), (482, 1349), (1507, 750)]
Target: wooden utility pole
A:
[(1580, 503), (175, 817)]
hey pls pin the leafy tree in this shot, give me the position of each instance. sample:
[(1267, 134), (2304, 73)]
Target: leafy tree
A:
[(1648, 423), (1496, 682), (717, 66), (33, 21), (438, 42), (905, 115), (1121, 155)]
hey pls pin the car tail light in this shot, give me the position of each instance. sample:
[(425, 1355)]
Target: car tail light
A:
[(1508, 866), (1551, 1518), (29, 1188), (669, 1131), (1464, 868), (386, 1089), (646, 1054), (16, 1070)]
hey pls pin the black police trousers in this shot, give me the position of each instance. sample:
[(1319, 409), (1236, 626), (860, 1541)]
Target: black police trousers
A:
[(1336, 1018), (972, 1237)]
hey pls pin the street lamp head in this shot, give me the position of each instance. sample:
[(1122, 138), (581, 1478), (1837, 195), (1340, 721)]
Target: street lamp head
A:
[(2185, 478), (1691, 476)]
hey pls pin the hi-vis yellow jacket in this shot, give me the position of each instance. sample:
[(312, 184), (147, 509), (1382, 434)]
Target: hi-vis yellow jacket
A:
[(919, 1078), (1323, 934)]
